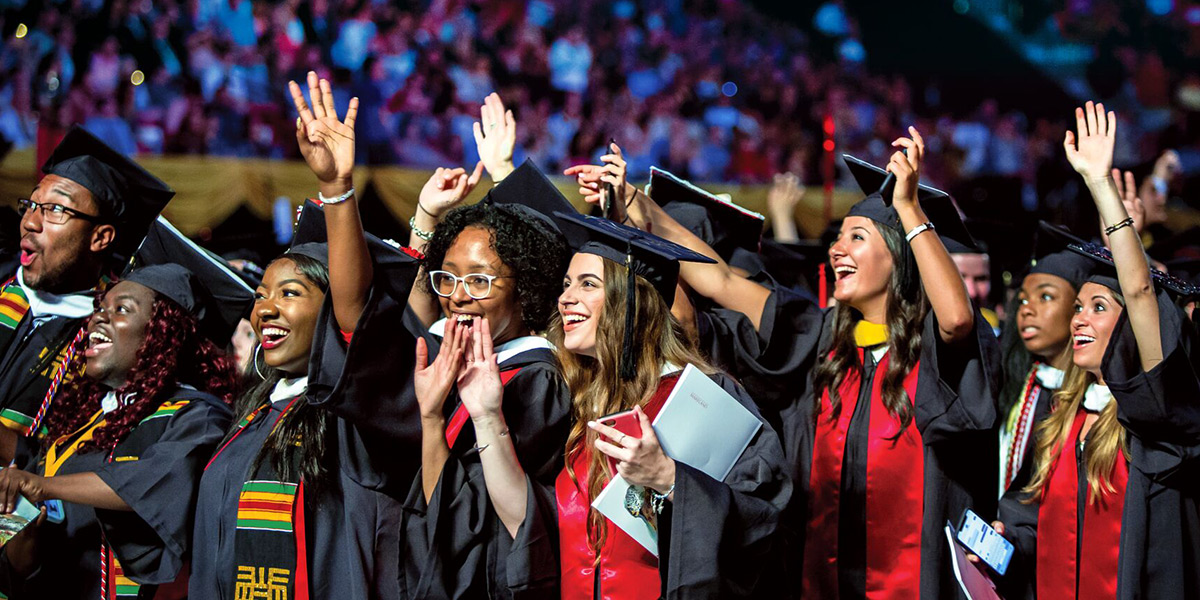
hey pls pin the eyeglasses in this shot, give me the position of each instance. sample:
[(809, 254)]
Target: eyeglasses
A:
[(54, 213), (477, 285)]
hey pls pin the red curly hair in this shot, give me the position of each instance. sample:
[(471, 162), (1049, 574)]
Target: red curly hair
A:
[(172, 352)]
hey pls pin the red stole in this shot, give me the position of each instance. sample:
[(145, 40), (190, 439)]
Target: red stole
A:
[(627, 570), (895, 481), (460, 416), (1061, 555)]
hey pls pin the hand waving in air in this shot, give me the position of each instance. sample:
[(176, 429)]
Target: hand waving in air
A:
[(326, 143), (496, 137), (1128, 193), (1090, 151), (446, 189)]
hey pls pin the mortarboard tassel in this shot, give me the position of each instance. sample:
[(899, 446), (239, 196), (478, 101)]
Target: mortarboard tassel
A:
[(628, 368)]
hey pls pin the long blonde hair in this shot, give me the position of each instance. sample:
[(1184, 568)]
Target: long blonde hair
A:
[(1105, 439), (596, 386)]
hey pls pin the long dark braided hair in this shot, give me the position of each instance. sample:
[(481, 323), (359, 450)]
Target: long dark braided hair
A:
[(172, 352)]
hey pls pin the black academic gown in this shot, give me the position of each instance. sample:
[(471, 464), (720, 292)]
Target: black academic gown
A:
[(353, 526), (27, 363), (156, 470), (715, 538), (955, 413), (1160, 523), (455, 545), (1045, 401)]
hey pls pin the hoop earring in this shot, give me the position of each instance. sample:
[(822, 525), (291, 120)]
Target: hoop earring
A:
[(254, 359)]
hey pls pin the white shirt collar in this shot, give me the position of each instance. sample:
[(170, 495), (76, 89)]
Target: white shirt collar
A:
[(41, 303), (287, 389), (1096, 398), (1049, 377)]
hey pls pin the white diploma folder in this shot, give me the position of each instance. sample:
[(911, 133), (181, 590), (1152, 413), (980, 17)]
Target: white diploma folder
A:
[(700, 425)]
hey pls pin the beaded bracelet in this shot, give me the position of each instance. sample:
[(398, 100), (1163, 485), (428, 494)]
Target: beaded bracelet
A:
[(420, 233)]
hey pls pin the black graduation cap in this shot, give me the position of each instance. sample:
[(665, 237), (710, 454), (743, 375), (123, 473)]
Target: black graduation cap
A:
[(721, 224), (309, 239), (528, 191), (644, 254), (128, 195), (1051, 257), (200, 282), (1104, 270), (938, 205)]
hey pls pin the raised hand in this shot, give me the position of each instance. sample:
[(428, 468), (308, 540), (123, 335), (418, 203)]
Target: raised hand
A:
[(326, 143), (446, 189), (591, 177), (433, 382), (496, 137), (907, 168), (479, 383), (782, 198), (1090, 152), (640, 461)]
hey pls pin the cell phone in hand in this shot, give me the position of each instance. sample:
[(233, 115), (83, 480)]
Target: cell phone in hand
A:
[(978, 537), (609, 206), (626, 422), (11, 524)]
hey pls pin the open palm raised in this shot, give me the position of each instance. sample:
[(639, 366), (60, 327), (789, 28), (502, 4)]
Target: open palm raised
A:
[(326, 143)]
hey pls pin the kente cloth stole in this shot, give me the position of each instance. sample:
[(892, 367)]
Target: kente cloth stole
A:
[(269, 549)]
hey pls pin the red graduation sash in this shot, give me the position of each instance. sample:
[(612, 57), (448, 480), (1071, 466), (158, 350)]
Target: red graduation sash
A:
[(1061, 555), (627, 570), (895, 485)]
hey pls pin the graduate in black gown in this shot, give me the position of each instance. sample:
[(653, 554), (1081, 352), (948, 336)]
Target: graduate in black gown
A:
[(80, 225), (128, 441), (502, 260), (296, 500), (620, 349), (1036, 345), (1111, 511), (922, 434)]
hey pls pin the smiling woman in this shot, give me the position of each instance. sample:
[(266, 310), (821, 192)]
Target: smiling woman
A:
[(125, 443)]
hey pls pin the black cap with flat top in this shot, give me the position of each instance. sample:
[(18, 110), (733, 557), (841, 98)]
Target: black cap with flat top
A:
[(643, 254), (530, 192), (127, 195), (938, 205), (1104, 270), (200, 282), (1051, 257), (722, 225)]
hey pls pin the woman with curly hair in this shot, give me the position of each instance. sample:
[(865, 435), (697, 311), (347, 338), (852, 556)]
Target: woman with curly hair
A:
[(501, 259), (620, 349), (126, 444)]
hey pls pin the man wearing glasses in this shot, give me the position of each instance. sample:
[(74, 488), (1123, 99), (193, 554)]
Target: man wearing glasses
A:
[(81, 225)]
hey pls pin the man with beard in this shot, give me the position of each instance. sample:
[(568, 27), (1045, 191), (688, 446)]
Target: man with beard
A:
[(82, 223)]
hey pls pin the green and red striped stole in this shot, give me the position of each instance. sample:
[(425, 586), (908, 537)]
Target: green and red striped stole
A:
[(266, 506), (13, 304)]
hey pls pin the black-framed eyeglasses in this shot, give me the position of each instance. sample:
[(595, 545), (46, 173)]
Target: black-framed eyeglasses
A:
[(477, 285), (53, 212)]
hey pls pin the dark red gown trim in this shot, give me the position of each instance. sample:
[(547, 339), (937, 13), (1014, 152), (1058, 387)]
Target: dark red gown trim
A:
[(1061, 554), (895, 482), (627, 570), (460, 416)]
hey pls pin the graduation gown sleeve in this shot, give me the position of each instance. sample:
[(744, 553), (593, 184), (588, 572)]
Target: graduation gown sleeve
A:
[(1020, 527), (967, 377), (1160, 408), (160, 485)]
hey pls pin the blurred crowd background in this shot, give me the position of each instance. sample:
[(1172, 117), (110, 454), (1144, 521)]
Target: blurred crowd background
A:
[(715, 91)]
